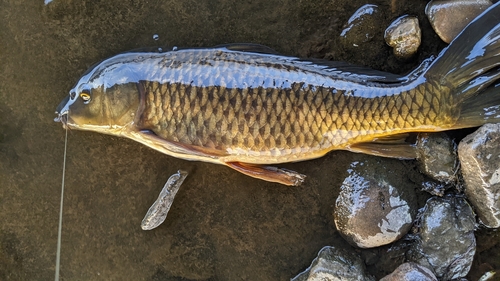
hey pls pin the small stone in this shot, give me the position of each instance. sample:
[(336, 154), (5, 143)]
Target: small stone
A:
[(479, 155), (434, 188), (437, 156), (446, 242), (410, 271), (373, 207), (361, 26), (449, 17), (404, 36), (333, 264)]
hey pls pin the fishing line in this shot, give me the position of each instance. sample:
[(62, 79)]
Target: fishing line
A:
[(59, 230)]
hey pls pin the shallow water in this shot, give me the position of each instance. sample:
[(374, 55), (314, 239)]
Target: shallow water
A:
[(223, 225)]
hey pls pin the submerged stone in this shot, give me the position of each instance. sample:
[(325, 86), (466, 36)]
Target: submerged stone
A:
[(404, 36), (479, 155), (361, 26), (410, 271), (437, 156), (334, 264), (373, 207), (446, 242), (449, 17)]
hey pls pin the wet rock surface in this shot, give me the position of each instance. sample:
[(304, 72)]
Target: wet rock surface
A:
[(373, 208), (361, 26), (404, 36), (437, 157), (334, 263), (410, 272), (479, 155), (446, 243), (434, 188), (449, 17)]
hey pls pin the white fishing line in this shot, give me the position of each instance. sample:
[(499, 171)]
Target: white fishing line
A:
[(58, 253)]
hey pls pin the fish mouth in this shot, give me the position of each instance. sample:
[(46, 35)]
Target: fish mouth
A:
[(63, 118), (62, 111)]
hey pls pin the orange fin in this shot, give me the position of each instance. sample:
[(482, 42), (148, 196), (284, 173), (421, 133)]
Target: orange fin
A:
[(392, 146), (267, 173)]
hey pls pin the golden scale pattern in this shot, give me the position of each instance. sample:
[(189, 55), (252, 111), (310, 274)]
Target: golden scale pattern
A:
[(278, 122)]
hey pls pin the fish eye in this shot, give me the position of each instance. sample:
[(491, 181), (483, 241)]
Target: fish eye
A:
[(85, 97), (72, 95)]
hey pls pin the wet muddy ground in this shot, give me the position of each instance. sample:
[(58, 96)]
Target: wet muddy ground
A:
[(222, 225)]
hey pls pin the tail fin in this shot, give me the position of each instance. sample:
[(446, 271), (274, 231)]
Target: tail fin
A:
[(472, 53), (482, 109), (470, 66)]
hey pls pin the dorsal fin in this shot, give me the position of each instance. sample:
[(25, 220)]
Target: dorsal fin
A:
[(249, 47), (343, 68)]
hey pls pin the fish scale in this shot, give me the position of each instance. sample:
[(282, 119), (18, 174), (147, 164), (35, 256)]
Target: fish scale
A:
[(301, 120)]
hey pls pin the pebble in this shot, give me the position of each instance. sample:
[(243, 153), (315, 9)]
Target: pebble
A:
[(445, 242), (449, 17), (374, 207), (361, 26), (157, 213), (333, 263), (434, 188), (404, 36), (479, 155), (410, 271), (437, 156)]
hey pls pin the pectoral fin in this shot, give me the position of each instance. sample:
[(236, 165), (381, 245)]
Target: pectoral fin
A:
[(176, 149), (267, 173), (394, 146)]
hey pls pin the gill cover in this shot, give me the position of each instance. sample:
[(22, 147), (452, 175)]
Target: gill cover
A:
[(102, 98)]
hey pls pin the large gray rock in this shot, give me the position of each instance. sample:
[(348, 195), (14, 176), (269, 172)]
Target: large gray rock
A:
[(446, 242), (437, 156), (332, 264), (449, 17), (374, 207), (410, 271), (479, 155)]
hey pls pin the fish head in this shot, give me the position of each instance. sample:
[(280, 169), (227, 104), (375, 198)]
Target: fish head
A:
[(99, 103)]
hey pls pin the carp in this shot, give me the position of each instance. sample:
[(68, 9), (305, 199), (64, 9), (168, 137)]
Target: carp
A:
[(247, 107)]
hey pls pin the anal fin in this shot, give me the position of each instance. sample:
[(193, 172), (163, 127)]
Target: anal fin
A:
[(267, 173)]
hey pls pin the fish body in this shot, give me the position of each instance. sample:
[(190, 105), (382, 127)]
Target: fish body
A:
[(265, 109), (244, 106)]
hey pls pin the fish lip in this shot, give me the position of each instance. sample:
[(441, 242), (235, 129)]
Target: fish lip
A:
[(62, 109), (63, 118)]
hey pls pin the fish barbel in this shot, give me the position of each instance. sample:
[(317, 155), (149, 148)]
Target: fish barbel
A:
[(245, 106)]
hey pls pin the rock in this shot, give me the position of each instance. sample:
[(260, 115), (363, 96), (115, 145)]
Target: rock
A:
[(361, 26), (333, 264), (434, 188), (437, 156), (446, 242), (404, 36), (410, 272), (449, 17), (479, 155), (373, 208)]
